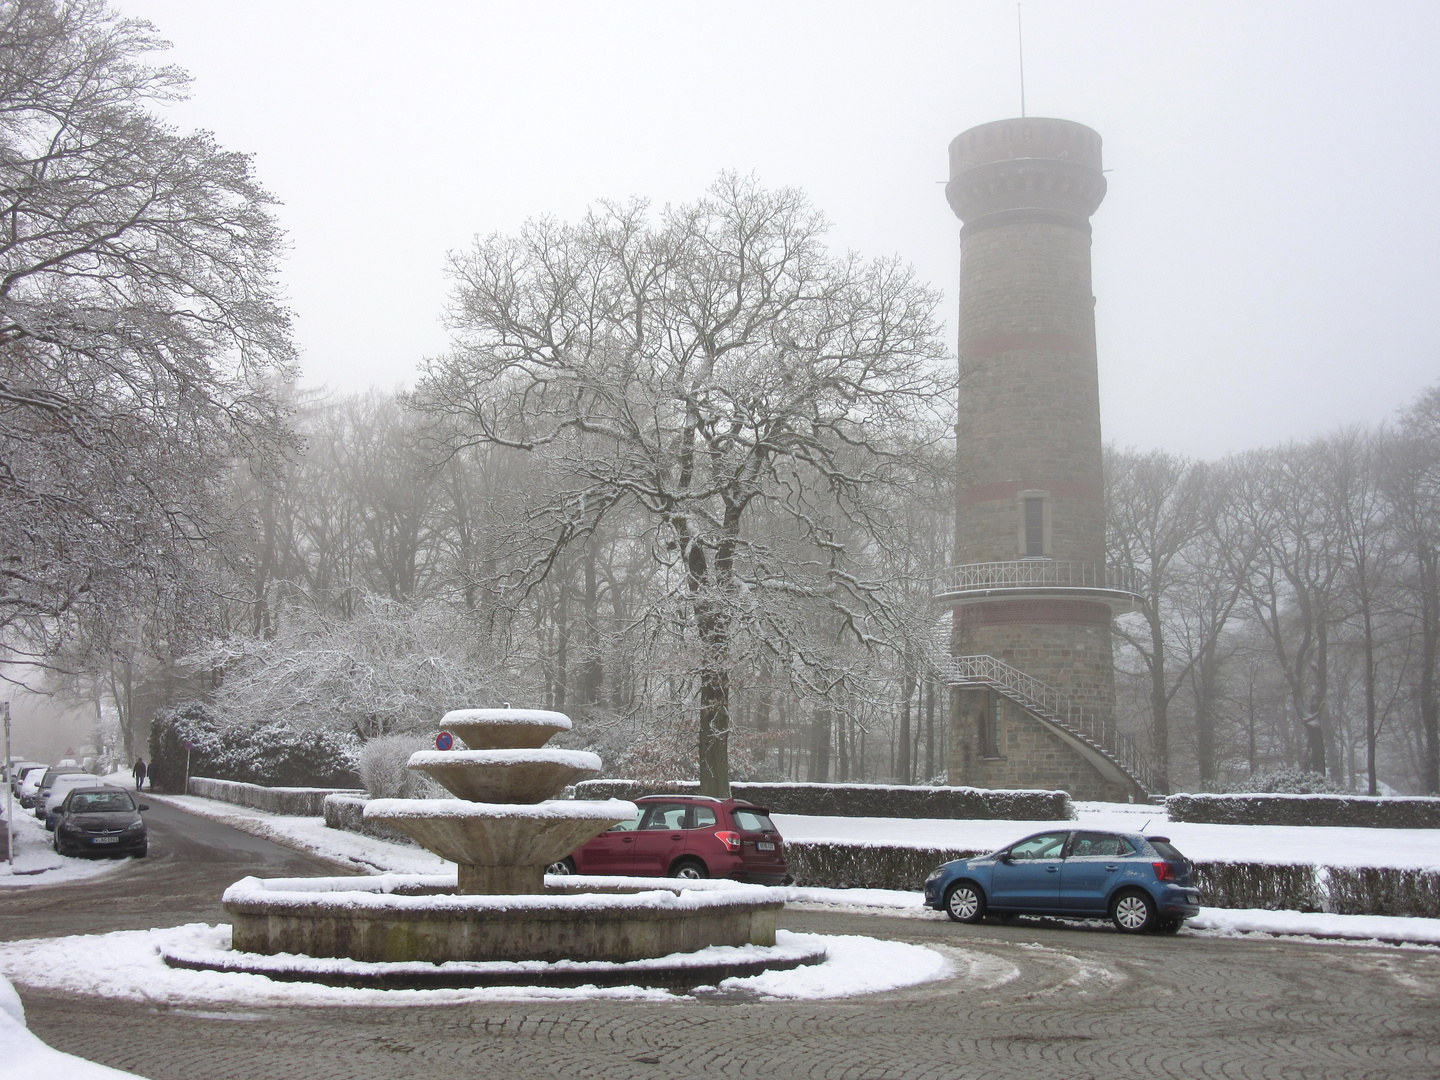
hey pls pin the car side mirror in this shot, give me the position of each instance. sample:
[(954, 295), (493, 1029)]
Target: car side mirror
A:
[(1006, 857), (144, 806)]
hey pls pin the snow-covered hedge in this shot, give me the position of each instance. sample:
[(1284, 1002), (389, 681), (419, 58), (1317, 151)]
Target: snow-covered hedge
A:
[(348, 812), (863, 800), (1382, 890), (1268, 886), (292, 801), (1355, 811), (831, 865), (273, 754)]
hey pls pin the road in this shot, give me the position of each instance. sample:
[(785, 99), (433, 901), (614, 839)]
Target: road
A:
[(1082, 1003)]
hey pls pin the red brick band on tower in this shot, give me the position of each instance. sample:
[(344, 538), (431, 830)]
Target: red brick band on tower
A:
[(1030, 491)]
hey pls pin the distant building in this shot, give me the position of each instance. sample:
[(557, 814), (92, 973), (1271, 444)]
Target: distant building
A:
[(1029, 659)]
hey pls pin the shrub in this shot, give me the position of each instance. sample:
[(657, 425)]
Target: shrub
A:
[(383, 771), (1290, 780), (1258, 885)]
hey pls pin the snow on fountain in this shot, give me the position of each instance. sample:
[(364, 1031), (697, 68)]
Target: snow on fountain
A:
[(502, 830)]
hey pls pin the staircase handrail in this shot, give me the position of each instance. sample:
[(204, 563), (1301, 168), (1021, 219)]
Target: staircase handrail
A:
[(1050, 704)]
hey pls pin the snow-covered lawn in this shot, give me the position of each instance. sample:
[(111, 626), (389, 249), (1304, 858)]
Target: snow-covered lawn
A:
[(1321, 845), (36, 862)]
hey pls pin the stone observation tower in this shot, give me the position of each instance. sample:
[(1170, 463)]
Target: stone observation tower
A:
[(1030, 659)]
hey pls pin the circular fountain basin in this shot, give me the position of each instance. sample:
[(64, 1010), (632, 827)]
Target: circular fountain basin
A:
[(506, 776), (505, 729), (358, 918), (500, 847)]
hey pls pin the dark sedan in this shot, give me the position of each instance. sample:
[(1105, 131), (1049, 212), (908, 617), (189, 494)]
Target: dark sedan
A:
[(101, 820), (1138, 882)]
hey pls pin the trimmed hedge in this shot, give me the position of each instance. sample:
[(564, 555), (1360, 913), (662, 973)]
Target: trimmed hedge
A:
[(1355, 811), (1259, 885), (296, 801), (344, 811), (851, 866), (1383, 890), (863, 800)]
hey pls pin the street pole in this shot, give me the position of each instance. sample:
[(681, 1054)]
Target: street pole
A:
[(9, 792)]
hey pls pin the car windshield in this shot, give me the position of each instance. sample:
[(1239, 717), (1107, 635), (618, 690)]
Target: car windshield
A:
[(753, 821), (100, 802)]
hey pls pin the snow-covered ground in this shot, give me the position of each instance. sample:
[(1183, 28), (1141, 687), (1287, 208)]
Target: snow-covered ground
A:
[(127, 965), (36, 862), (1322, 845)]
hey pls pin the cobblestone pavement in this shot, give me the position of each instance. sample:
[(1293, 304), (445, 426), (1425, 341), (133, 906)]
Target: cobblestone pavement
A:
[(1031, 1001)]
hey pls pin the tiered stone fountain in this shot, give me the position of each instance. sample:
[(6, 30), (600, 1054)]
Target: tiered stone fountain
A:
[(502, 830)]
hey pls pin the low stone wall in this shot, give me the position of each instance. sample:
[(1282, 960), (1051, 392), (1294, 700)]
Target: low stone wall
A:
[(348, 812), (294, 801), (1352, 811), (863, 800)]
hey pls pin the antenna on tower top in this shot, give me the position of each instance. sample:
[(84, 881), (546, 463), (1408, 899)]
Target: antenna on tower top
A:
[(1020, 37)]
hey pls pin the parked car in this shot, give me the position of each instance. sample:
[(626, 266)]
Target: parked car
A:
[(21, 769), (1139, 883), (101, 819), (30, 784), (686, 836), (43, 788), (62, 787)]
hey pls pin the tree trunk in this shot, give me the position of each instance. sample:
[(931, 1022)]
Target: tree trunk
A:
[(820, 747), (929, 729), (902, 764)]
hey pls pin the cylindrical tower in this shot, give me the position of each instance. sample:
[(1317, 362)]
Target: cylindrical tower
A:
[(1029, 585)]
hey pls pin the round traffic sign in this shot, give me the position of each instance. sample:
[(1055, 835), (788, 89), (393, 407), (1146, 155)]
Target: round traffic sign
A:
[(444, 741)]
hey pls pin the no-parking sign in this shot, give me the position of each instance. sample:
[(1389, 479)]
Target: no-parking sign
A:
[(444, 741)]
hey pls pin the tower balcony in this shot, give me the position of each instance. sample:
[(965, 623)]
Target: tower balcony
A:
[(968, 583)]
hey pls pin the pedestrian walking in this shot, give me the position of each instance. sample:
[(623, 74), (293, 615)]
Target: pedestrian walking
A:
[(139, 773)]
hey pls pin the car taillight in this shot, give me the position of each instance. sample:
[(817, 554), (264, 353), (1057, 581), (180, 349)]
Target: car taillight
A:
[(1164, 871), (730, 839)]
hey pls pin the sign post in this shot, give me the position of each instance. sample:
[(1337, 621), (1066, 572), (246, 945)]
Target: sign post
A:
[(9, 792), (188, 747)]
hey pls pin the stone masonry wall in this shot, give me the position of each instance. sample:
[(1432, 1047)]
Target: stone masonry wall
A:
[(1031, 756)]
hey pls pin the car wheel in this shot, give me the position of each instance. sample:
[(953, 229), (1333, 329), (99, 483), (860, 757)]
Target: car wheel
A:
[(1169, 926), (691, 869), (964, 902), (1133, 913), (144, 851), (564, 867)]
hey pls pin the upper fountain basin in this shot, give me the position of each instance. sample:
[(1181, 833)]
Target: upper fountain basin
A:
[(506, 776), (505, 729)]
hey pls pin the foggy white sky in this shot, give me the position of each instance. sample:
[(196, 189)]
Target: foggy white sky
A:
[(1265, 262)]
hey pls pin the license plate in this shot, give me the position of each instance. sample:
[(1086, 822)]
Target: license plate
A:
[(762, 846), (105, 839)]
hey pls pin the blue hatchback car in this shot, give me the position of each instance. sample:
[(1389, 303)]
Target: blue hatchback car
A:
[(1140, 883)]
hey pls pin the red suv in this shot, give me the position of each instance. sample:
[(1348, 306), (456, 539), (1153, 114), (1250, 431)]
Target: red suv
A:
[(686, 836)]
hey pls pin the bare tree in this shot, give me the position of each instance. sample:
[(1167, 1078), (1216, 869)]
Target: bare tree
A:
[(139, 324), (719, 374)]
